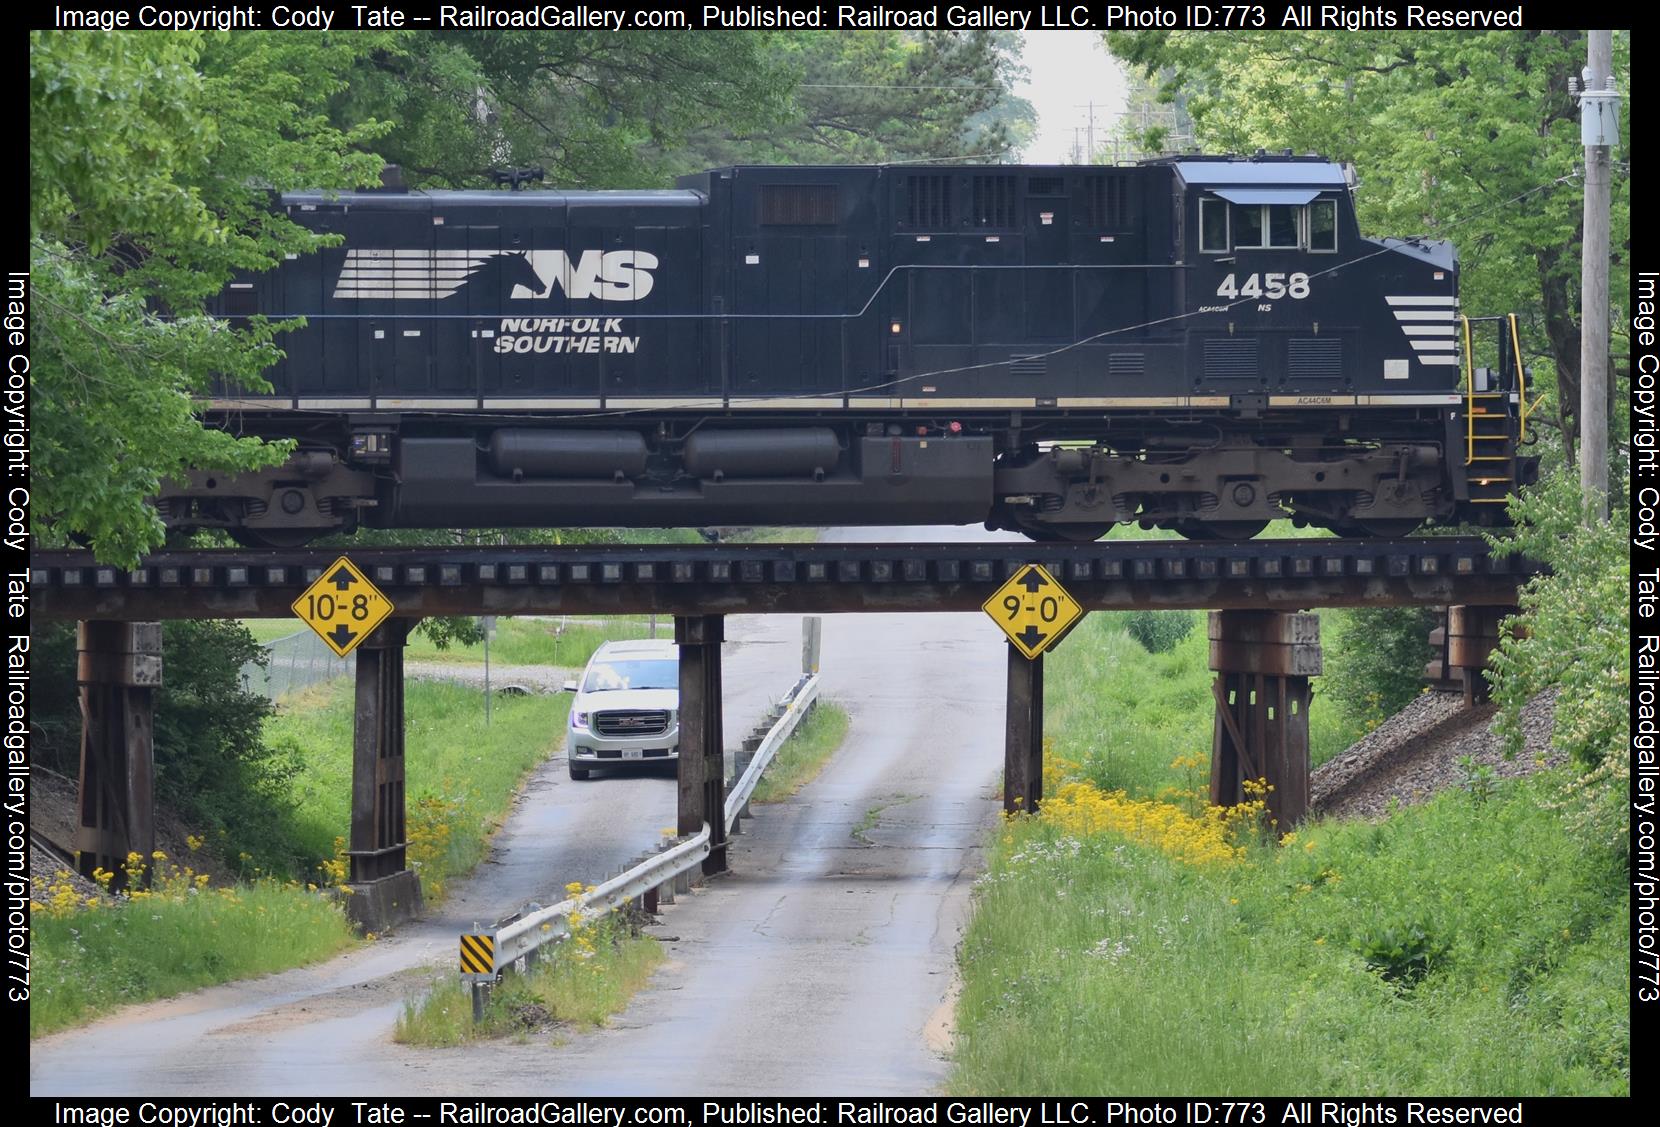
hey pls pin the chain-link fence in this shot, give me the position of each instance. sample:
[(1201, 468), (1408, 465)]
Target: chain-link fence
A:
[(296, 662)]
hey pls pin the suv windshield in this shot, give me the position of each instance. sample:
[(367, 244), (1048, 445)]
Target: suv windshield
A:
[(607, 675)]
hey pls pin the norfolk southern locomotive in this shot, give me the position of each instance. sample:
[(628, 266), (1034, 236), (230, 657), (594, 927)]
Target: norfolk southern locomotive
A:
[(1197, 343)]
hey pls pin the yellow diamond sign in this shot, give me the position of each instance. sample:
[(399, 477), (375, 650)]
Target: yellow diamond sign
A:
[(343, 607), (1033, 610)]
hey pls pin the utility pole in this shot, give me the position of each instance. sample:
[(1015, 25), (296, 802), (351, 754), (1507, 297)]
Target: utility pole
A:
[(1599, 128)]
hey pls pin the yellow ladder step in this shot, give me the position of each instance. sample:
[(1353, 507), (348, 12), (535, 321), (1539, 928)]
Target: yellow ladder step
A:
[(1490, 458)]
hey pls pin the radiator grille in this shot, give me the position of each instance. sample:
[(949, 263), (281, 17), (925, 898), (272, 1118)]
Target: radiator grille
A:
[(1105, 205), (799, 205), (1126, 364), (1314, 358), (1028, 365), (928, 202), (994, 201), (1231, 358), (634, 722)]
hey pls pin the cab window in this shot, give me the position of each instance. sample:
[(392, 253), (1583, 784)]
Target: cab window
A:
[(1213, 225), (1322, 225), (1266, 226)]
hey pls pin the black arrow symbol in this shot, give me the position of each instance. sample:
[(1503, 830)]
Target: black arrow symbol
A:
[(340, 636), (1032, 580), (1031, 637), (342, 579)]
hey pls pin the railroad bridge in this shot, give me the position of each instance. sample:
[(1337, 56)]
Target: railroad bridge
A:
[(1262, 648)]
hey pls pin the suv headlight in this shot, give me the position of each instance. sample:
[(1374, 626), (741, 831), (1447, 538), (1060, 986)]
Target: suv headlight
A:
[(674, 717), (579, 719)]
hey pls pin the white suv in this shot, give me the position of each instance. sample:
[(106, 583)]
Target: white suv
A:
[(627, 707)]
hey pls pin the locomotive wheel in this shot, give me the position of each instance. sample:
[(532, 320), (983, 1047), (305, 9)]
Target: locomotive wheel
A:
[(1222, 530), (1065, 533)]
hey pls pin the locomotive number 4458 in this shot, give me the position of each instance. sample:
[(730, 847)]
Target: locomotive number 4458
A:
[(1271, 286)]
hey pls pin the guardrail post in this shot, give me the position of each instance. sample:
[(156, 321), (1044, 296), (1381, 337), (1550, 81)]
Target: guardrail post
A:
[(1023, 735), (701, 771), (1472, 636), (481, 998), (118, 667), (384, 889), (1263, 660)]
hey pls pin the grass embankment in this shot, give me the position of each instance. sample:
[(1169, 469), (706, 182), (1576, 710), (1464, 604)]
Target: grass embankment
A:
[(1125, 715), (582, 981), (461, 772), (92, 957), (89, 959), (542, 641), (804, 754), (1134, 943)]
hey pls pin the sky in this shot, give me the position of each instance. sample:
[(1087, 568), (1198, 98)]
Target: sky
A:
[(1068, 69)]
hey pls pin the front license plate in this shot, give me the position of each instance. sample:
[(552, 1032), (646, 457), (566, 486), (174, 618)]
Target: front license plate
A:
[(631, 753)]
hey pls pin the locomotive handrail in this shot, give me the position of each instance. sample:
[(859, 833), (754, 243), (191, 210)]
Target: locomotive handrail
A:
[(1525, 409), (1469, 394)]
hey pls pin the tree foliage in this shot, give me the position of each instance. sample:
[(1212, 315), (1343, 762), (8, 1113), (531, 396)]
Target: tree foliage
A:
[(1576, 636), (151, 159), (882, 96), (1375, 658), (594, 109), (1472, 137)]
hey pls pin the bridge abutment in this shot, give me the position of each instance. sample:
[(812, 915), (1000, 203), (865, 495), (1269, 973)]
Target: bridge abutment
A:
[(1263, 661), (701, 772), (1023, 735), (384, 890), (1472, 637), (118, 669)]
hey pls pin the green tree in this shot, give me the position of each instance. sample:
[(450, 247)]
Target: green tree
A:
[(1470, 136), (594, 109), (1374, 660), (151, 160), (879, 96), (1576, 638)]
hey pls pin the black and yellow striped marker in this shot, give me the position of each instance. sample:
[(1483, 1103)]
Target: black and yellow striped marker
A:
[(478, 954)]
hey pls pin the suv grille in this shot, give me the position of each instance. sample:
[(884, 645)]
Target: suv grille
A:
[(638, 722)]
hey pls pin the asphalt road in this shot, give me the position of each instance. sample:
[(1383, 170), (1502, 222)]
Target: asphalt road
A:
[(822, 965)]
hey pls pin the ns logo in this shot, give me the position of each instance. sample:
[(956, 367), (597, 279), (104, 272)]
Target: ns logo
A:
[(614, 275), (426, 275)]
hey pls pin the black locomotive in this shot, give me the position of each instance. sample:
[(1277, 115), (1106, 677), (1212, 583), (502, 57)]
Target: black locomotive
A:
[(1198, 343)]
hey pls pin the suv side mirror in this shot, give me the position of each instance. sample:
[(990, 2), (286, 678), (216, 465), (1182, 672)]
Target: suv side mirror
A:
[(568, 687)]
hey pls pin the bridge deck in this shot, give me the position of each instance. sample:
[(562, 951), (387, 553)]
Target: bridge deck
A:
[(789, 578)]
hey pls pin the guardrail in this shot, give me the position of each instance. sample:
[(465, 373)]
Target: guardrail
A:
[(656, 877)]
